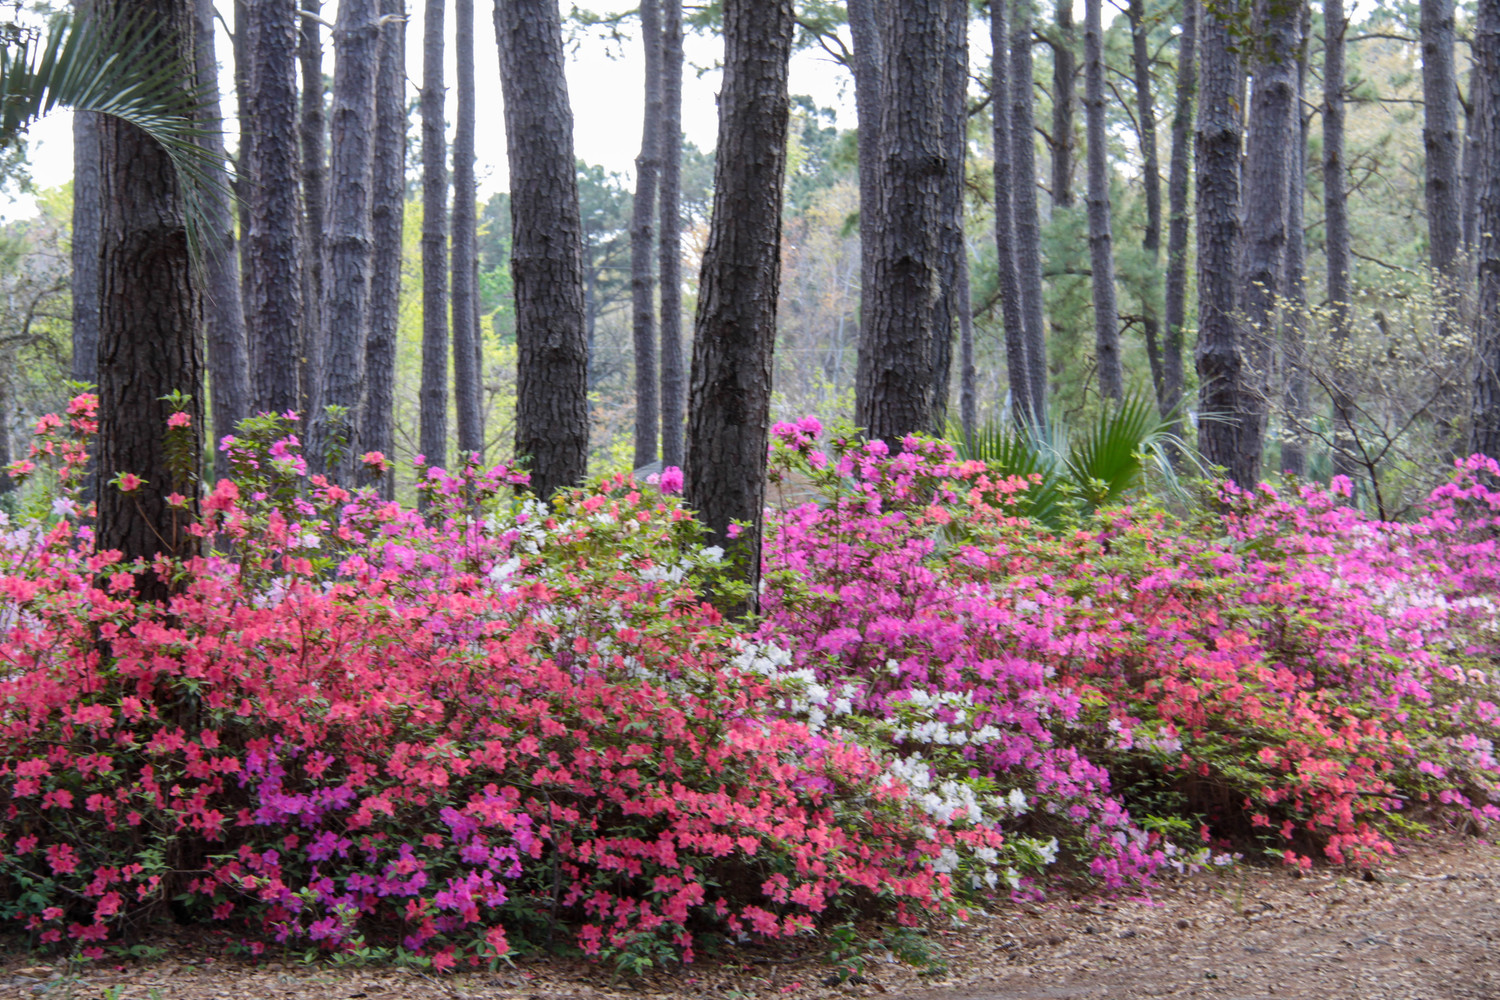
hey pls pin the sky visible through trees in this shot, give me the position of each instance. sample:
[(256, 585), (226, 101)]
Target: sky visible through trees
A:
[(607, 125)]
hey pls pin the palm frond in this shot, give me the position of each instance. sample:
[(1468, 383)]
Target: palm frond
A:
[(1030, 453), (129, 71), (1114, 455)]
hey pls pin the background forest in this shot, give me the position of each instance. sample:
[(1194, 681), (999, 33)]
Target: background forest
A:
[(1398, 357)]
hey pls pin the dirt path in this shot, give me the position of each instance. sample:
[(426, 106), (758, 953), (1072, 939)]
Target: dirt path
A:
[(1426, 929)]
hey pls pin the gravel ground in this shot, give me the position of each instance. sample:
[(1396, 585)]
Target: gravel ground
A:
[(1425, 928)]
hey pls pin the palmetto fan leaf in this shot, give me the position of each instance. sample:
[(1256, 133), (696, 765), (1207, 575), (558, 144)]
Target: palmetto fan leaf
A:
[(1110, 457), (129, 71), (1026, 452), (1084, 471)]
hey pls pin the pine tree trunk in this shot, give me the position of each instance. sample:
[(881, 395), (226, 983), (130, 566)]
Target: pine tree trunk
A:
[(334, 442), (7, 454), (1336, 227), (894, 390), (1224, 384), (434, 391), (1145, 111), (314, 128), (387, 223), (968, 385), (1484, 431), (478, 340), (1294, 280), (947, 311), (669, 254), (1440, 137), (1016, 367), (1440, 142), (642, 243), (1263, 254), (274, 313), (1473, 116), (466, 390), (590, 305), (1064, 69), (552, 427), (1101, 239), (1174, 309), (87, 219), (228, 348), (735, 330), (869, 100), (87, 232), (1024, 206), (244, 61), (150, 316)]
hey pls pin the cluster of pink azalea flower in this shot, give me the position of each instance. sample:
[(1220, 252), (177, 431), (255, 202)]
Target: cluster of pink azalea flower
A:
[(439, 733)]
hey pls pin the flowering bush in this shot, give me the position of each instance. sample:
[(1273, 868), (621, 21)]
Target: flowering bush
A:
[(443, 732), (1284, 667), (357, 727)]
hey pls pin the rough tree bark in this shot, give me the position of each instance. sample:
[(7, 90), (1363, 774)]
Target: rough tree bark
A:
[(87, 218), (1484, 428), (552, 427), (479, 386), (1064, 44), (1440, 142), (1440, 137), (895, 382), (1145, 114), (869, 100), (1101, 240), (1469, 181), (466, 392), (243, 51), (314, 129), (1016, 368), (387, 211), (1278, 27), (228, 348), (735, 329), (1230, 437), (948, 311), (150, 315), (642, 233), (87, 221), (433, 439), (1294, 399), (346, 276), (1336, 226), (968, 384), (1174, 308), (669, 254), (274, 312), (1024, 205)]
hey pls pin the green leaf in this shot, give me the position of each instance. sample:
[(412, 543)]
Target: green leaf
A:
[(1126, 444), (130, 71)]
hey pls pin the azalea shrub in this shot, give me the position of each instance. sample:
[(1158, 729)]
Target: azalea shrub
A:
[(435, 734), (1275, 672), (490, 723)]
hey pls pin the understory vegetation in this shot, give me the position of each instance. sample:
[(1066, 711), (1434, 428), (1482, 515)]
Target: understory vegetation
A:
[(450, 734)]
